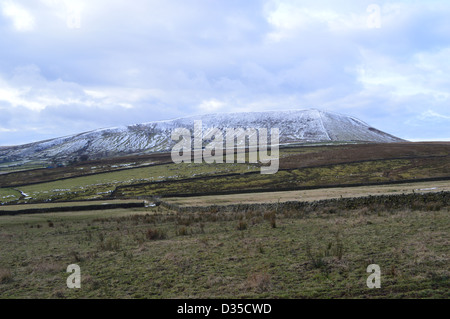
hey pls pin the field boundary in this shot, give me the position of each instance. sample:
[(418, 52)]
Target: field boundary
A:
[(78, 176), (388, 201), (211, 176), (268, 190), (71, 208)]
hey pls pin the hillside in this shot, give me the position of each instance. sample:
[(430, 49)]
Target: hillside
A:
[(295, 126)]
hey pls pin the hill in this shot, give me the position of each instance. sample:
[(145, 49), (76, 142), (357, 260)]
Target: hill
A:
[(295, 126)]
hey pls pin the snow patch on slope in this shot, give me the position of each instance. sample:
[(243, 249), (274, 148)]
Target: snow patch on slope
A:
[(294, 125)]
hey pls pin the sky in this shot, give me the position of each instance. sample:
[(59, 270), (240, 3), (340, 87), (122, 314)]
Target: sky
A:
[(70, 66)]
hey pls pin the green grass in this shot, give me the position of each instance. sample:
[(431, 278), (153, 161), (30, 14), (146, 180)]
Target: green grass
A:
[(339, 174), (8, 195), (154, 253), (13, 167), (101, 185)]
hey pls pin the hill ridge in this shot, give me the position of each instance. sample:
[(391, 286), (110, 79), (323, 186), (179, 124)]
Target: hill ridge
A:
[(296, 126)]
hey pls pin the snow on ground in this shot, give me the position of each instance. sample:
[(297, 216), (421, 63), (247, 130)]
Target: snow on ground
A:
[(294, 125)]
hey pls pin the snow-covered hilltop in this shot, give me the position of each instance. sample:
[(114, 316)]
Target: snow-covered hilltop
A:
[(294, 126)]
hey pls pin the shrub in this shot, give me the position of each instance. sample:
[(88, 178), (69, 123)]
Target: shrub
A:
[(110, 244), (273, 223), (5, 276), (182, 231), (155, 234), (316, 258), (260, 281), (339, 247), (271, 216), (75, 255), (242, 225)]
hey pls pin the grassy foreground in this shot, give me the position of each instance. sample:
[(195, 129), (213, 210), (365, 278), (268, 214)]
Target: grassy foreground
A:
[(156, 253)]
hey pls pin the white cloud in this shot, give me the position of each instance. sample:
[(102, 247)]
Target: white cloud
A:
[(123, 95), (292, 17), (6, 130), (22, 19), (434, 139), (14, 98), (212, 105), (29, 89), (430, 114), (70, 11), (423, 73)]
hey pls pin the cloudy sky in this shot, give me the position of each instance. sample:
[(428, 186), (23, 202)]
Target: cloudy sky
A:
[(73, 66)]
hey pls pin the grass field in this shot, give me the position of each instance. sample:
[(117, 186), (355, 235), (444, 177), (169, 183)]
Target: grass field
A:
[(378, 171), (318, 250), (310, 195), (305, 166), (9, 195), (154, 253), (102, 185)]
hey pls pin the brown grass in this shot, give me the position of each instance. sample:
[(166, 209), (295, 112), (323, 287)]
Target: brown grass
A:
[(155, 234), (310, 195), (47, 267), (5, 276), (364, 152), (258, 281)]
